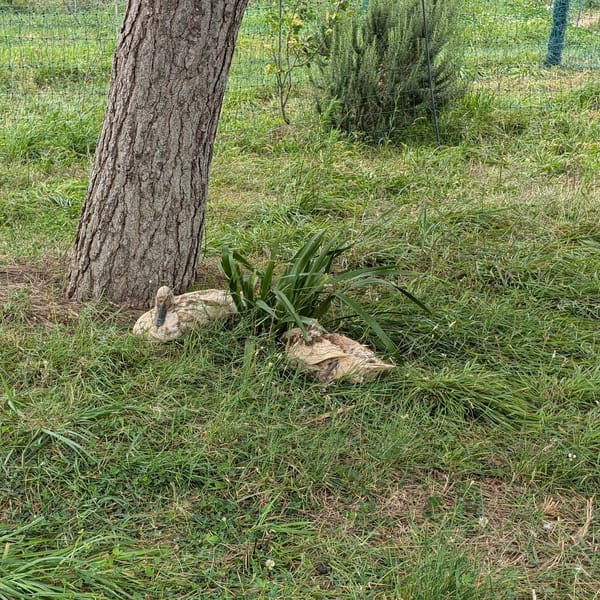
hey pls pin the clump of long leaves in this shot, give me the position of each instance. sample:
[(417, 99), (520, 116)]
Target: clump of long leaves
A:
[(307, 289), (33, 567)]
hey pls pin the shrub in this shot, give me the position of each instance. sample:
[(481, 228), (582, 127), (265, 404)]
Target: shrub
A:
[(372, 75)]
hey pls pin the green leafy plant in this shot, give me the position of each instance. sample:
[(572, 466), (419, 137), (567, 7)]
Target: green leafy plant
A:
[(372, 74), (293, 41), (307, 288)]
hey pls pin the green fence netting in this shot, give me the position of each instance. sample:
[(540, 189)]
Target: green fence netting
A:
[(55, 56)]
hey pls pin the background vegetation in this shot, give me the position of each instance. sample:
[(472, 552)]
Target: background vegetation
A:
[(208, 466), (377, 69)]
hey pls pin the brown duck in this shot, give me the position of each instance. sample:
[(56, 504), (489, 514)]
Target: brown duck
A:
[(331, 356)]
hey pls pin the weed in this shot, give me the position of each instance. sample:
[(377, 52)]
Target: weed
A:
[(307, 289)]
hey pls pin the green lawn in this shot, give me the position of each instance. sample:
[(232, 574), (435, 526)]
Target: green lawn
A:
[(211, 468)]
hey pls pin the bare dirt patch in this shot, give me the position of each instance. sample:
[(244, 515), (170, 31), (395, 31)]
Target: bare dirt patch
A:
[(503, 524), (209, 275), (34, 293), (587, 21)]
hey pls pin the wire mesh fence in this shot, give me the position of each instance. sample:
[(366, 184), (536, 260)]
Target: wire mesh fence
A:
[(55, 57)]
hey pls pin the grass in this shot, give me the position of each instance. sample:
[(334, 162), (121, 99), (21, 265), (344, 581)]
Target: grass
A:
[(29, 569), (209, 467)]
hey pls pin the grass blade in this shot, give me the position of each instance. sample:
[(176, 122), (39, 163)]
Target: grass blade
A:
[(370, 322), (291, 311)]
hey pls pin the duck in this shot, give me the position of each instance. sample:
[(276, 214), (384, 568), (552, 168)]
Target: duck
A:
[(331, 356), (173, 316)]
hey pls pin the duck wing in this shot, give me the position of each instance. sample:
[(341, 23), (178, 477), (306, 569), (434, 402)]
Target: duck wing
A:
[(331, 356)]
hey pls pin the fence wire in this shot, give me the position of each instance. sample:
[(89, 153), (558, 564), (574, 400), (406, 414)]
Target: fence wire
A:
[(55, 56)]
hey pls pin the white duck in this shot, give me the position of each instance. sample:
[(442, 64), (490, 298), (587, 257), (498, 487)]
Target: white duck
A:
[(173, 316)]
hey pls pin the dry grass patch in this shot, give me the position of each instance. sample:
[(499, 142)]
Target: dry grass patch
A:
[(535, 84), (586, 21), (502, 525), (32, 293)]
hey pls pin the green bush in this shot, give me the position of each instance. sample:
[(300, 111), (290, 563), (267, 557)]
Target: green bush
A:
[(372, 75)]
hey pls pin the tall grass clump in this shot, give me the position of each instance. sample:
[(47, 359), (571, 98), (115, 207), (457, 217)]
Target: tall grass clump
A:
[(55, 132), (372, 75), (97, 567)]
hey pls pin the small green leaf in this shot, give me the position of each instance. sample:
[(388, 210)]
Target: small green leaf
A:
[(267, 278), (266, 308), (289, 308), (370, 322)]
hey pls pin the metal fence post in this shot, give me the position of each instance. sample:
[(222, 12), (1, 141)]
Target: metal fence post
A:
[(556, 41)]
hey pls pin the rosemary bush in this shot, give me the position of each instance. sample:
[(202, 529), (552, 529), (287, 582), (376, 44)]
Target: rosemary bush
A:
[(372, 73)]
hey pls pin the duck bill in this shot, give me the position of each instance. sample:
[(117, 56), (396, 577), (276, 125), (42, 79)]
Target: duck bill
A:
[(161, 314)]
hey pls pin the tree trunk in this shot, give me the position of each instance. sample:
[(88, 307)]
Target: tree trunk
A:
[(142, 220)]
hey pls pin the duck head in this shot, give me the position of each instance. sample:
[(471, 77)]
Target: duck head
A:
[(164, 301)]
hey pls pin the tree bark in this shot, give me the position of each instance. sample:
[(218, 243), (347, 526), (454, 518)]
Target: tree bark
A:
[(142, 220)]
